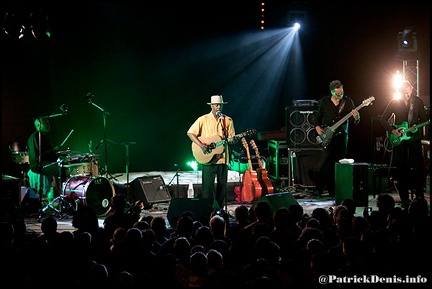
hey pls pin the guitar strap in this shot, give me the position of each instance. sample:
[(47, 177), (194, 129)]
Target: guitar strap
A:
[(341, 107), (411, 111)]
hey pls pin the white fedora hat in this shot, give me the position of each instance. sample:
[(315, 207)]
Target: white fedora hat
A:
[(216, 99)]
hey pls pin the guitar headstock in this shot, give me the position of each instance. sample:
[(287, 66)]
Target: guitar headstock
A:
[(250, 132), (245, 144), (253, 145), (368, 101)]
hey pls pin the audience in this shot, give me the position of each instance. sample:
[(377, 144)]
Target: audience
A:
[(282, 249)]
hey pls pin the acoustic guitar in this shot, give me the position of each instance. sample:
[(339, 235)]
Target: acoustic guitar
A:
[(266, 184), (215, 146), (251, 189)]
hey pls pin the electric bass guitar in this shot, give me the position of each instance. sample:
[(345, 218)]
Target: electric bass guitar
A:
[(325, 138), (404, 129), (215, 145), (251, 189), (266, 184)]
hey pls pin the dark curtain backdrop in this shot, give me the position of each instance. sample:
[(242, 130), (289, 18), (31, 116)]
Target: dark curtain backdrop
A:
[(154, 68)]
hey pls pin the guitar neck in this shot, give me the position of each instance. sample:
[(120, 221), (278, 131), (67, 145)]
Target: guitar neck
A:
[(342, 120), (228, 140), (249, 159)]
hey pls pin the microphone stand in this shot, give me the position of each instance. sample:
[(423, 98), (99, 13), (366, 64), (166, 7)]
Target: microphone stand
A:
[(172, 179), (126, 144), (226, 160), (104, 114)]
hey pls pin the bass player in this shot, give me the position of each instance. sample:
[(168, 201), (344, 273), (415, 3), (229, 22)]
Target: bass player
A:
[(332, 108), (208, 126)]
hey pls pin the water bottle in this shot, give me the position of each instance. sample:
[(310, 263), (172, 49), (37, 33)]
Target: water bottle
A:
[(190, 191)]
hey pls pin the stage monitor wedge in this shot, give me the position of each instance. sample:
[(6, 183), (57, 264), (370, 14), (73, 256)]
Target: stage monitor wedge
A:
[(150, 190)]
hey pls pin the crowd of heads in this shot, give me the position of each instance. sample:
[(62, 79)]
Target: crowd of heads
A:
[(252, 248)]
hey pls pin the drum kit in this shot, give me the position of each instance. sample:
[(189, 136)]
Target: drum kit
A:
[(82, 186)]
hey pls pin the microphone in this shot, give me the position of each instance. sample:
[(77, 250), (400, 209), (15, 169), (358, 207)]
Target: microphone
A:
[(219, 114), (89, 97), (99, 144), (64, 108), (163, 187)]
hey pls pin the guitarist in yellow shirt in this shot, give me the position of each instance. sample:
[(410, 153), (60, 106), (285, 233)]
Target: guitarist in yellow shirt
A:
[(206, 130), (402, 119)]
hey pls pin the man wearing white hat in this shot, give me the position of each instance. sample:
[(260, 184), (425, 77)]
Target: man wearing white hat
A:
[(210, 135)]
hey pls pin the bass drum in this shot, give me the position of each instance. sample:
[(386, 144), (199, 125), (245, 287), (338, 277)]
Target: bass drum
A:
[(93, 192)]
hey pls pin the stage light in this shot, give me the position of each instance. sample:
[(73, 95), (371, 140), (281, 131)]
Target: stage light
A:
[(18, 26), (13, 26), (193, 165), (407, 40), (39, 26)]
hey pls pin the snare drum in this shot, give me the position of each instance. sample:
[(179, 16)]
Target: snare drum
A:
[(93, 192), (89, 169)]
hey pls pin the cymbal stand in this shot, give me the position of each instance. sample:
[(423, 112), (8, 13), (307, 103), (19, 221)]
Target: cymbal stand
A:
[(61, 199)]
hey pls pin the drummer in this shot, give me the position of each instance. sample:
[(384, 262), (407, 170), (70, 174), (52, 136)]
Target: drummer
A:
[(44, 172)]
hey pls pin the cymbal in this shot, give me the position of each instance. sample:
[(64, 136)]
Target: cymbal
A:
[(66, 152), (82, 156), (93, 155), (74, 165)]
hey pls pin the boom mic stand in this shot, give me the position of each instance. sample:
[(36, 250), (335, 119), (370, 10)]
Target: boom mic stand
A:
[(176, 195), (104, 114), (126, 144)]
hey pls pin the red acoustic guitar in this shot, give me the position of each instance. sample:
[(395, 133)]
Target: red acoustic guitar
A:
[(251, 189), (266, 184)]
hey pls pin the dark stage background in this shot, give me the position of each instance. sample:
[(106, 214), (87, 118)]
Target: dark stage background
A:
[(153, 67)]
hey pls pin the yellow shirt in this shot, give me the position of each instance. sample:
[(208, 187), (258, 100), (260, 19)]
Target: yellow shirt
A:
[(207, 127)]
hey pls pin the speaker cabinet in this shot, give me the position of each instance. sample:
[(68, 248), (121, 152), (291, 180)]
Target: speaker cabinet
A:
[(150, 190), (276, 201), (300, 127), (306, 163), (201, 208), (352, 182)]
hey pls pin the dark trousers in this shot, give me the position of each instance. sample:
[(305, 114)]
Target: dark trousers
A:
[(210, 173), (409, 163)]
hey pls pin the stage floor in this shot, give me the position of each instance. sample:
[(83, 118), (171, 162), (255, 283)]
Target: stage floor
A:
[(170, 177), (305, 197)]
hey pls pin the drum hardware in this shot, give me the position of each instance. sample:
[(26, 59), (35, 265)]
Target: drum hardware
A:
[(62, 204)]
